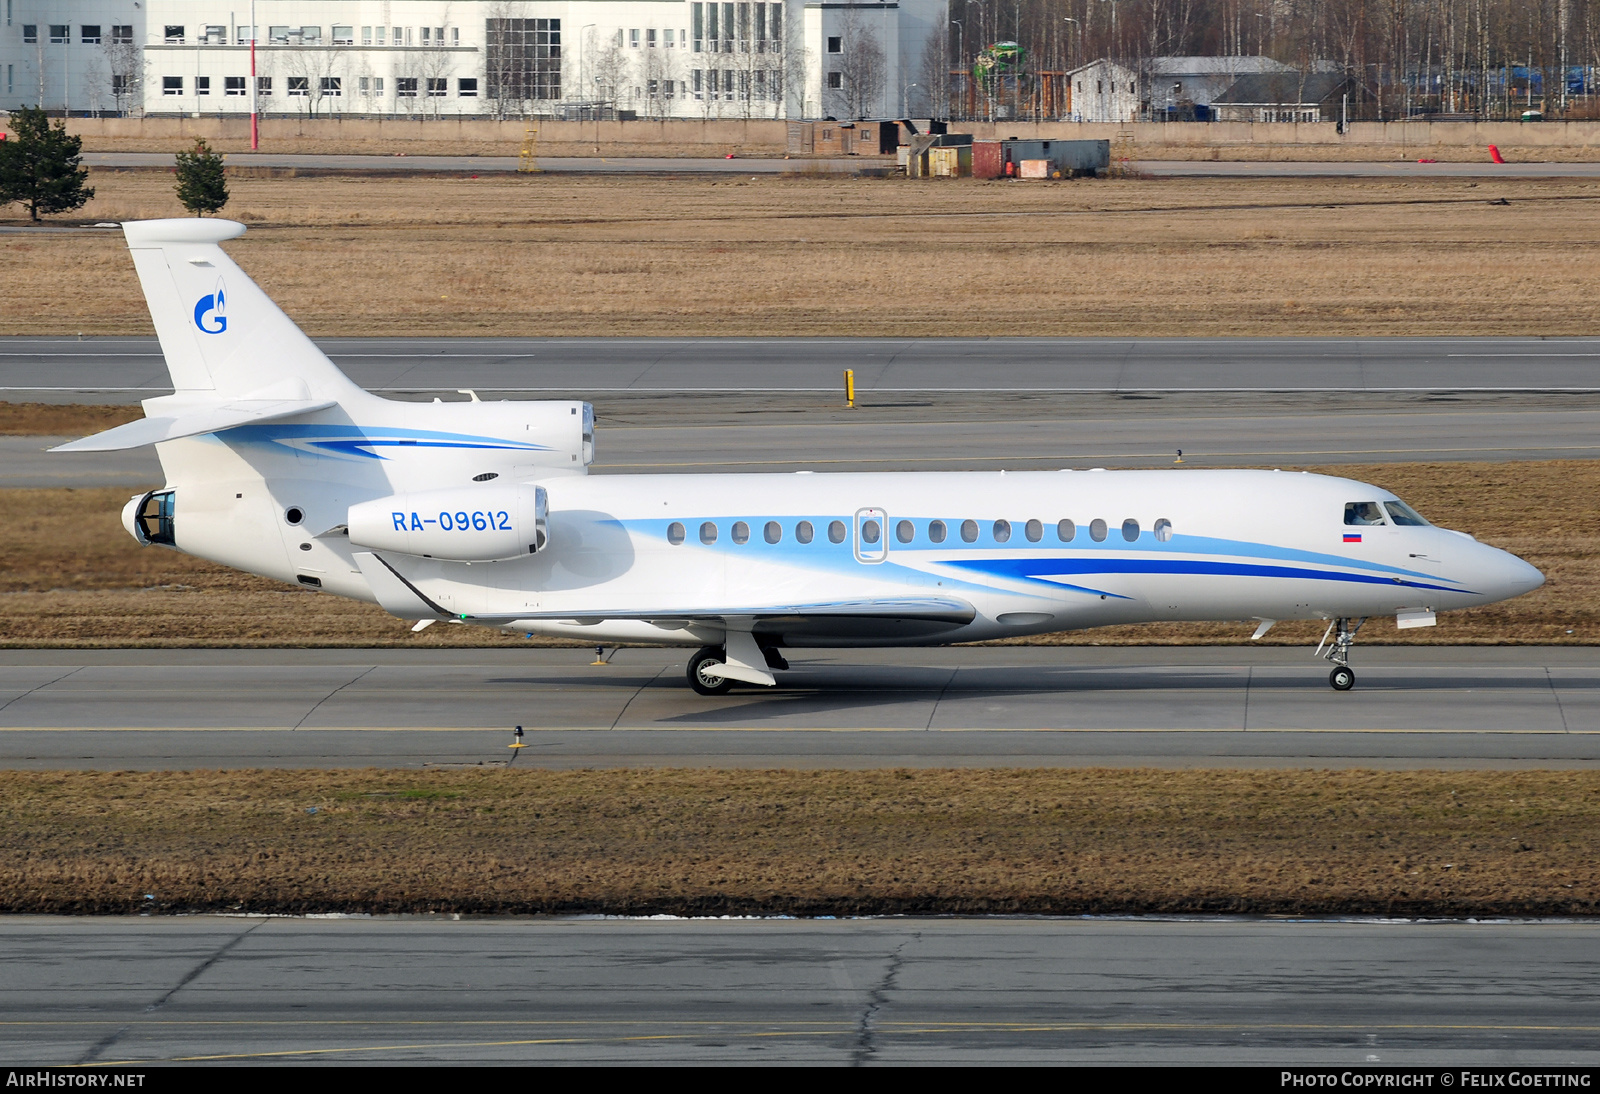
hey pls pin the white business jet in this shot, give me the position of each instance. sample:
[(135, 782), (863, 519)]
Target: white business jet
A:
[(484, 513)]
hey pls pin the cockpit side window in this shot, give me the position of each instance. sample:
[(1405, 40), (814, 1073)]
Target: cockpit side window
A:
[(1405, 516), (1363, 512)]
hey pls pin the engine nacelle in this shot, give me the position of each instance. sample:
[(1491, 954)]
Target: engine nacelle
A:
[(461, 524)]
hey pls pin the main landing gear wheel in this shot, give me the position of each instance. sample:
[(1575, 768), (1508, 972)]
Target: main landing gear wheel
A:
[(1341, 679), (703, 675)]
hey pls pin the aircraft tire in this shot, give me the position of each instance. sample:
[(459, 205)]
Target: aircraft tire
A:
[(708, 656), (1341, 679)]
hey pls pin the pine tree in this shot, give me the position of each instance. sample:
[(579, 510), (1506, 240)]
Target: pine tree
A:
[(201, 186), (40, 165)]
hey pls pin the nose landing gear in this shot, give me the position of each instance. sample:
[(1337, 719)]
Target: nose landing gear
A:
[(1342, 678)]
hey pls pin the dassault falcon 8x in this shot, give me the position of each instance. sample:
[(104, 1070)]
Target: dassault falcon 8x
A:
[(484, 513)]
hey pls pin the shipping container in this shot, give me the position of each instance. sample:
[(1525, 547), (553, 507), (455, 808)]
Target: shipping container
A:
[(987, 161)]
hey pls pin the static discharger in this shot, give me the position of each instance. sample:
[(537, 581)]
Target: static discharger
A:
[(518, 742)]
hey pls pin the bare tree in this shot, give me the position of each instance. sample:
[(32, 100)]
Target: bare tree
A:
[(315, 76), (861, 67), (433, 64), (934, 93), (659, 66), (124, 60), (613, 70)]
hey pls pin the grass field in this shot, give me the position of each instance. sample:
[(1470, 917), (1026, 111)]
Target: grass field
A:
[(558, 255), (74, 577), (824, 842)]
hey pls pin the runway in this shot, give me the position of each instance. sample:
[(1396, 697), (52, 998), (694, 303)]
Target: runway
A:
[(711, 165), (130, 369), (1181, 707), (854, 992)]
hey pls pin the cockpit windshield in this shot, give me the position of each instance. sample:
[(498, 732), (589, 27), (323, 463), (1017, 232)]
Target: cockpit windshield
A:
[(1363, 512), (1402, 514)]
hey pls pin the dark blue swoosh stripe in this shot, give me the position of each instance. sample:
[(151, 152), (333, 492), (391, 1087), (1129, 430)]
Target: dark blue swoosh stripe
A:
[(1031, 568)]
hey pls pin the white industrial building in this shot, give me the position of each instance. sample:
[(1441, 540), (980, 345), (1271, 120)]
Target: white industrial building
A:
[(576, 58)]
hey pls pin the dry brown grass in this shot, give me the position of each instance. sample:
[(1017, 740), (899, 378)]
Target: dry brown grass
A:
[(551, 255), (823, 842), (74, 578)]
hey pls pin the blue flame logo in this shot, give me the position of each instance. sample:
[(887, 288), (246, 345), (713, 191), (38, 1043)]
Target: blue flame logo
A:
[(214, 306)]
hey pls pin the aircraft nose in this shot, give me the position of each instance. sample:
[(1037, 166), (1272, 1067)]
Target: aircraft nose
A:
[(1515, 577)]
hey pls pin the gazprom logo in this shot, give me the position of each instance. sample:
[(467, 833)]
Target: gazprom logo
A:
[(211, 312)]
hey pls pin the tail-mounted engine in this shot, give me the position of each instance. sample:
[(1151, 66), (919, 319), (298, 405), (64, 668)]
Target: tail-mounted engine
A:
[(461, 524), (148, 518)]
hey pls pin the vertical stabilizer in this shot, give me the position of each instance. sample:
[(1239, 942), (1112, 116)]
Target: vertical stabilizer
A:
[(219, 332)]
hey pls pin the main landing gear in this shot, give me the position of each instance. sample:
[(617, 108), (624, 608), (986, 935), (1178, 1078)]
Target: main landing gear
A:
[(1342, 678), (703, 672)]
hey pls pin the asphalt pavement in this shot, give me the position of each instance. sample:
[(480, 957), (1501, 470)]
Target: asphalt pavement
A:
[(418, 990), (1019, 706)]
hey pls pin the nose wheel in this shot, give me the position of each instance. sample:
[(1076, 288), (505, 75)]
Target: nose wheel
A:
[(1342, 678)]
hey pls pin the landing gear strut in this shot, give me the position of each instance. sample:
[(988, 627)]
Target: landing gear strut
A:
[(703, 674), (1342, 678)]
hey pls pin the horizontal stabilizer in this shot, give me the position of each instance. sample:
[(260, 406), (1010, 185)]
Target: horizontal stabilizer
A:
[(192, 423)]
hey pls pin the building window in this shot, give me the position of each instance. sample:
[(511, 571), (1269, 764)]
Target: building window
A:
[(332, 86), (397, 36), (366, 36), (243, 35), (299, 85), (89, 35), (377, 87), (455, 36), (364, 86), (667, 87), (523, 58), (405, 87), (666, 36), (427, 35), (378, 32), (467, 87), (172, 85), (120, 84), (174, 36), (836, 44), (698, 21), (694, 83), (437, 86), (60, 34), (278, 36), (213, 35), (233, 85), (263, 85), (310, 36), (30, 33), (836, 80), (202, 85), (344, 36), (633, 39), (122, 34), (650, 39)]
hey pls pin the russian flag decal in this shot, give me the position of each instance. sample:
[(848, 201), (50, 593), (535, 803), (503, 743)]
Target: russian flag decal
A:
[(1352, 537)]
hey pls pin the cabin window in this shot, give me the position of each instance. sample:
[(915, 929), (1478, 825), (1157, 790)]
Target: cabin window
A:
[(870, 532), (803, 531), (1034, 531), (1002, 531), (969, 531), (1130, 530), (905, 531), (1402, 514), (836, 532), (936, 531), (740, 532), (1066, 531), (1163, 530), (1363, 512), (1097, 530), (674, 533), (773, 532), (708, 532)]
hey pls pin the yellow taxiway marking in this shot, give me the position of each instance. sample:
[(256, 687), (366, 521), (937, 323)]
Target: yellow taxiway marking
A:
[(820, 1029), (799, 729)]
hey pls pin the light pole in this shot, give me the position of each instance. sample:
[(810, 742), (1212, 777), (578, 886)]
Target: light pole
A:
[(255, 132), (1070, 19), (583, 47)]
